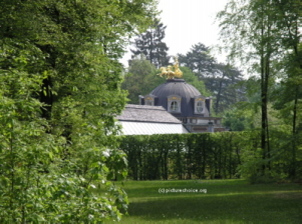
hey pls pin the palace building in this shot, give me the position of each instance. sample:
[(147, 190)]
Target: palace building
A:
[(184, 102), (177, 98)]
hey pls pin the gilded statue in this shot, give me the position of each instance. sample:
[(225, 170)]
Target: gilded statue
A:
[(171, 71)]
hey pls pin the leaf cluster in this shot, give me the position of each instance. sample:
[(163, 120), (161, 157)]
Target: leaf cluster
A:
[(60, 91), (224, 82)]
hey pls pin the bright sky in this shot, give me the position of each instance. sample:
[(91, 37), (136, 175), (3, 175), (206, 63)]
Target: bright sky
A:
[(189, 22)]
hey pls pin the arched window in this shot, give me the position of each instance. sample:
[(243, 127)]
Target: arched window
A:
[(174, 106), (199, 107)]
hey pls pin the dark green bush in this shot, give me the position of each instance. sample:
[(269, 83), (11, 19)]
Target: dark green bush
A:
[(207, 156), (182, 156)]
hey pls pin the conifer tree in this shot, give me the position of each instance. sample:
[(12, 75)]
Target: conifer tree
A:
[(223, 81), (150, 44)]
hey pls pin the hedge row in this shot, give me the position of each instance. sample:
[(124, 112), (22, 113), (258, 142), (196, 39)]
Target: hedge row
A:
[(187, 156)]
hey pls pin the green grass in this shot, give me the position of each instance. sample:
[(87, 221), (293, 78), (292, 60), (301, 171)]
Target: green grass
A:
[(226, 201)]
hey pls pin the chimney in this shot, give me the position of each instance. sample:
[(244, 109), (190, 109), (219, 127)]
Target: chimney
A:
[(141, 100)]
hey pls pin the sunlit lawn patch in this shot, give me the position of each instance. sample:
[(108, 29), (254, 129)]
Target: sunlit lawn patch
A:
[(225, 201)]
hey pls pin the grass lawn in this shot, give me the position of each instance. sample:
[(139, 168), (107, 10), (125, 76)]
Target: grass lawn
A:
[(225, 201)]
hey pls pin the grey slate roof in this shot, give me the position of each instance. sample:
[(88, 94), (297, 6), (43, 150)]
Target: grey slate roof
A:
[(145, 113)]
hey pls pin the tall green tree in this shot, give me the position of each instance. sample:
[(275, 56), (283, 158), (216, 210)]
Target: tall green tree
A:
[(255, 34), (199, 60), (223, 81), (268, 30), (141, 79), (150, 44), (288, 20), (60, 91), (227, 84)]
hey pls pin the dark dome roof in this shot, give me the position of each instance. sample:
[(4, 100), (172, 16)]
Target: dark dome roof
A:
[(178, 87)]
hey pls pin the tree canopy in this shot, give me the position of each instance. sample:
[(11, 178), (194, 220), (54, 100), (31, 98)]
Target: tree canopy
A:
[(60, 91), (150, 44), (223, 81), (270, 45), (141, 79)]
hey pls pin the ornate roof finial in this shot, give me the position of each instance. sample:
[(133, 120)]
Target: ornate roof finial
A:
[(171, 71)]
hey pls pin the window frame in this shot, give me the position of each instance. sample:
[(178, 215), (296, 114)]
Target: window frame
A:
[(174, 107), (174, 104), (199, 105)]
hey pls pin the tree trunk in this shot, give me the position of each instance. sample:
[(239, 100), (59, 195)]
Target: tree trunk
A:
[(46, 98), (293, 167)]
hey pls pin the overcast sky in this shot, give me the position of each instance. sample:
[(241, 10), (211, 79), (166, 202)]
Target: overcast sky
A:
[(189, 22)]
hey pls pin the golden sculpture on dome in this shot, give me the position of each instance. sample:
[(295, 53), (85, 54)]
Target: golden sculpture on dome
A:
[(171, 71)]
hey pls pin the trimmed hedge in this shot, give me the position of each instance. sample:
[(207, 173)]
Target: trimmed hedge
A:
[(186, 156)]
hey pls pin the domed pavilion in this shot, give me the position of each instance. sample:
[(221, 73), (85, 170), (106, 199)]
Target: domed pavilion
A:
[(184, 102)]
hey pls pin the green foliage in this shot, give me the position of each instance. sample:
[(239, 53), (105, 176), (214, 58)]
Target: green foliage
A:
[(141, 79), (60, 91), (280, 159), (233, 122), (43, 177), (151, 45), (209, 156), (243, 116), (182, 156), (199, 60), (271, 32), (222, 81)]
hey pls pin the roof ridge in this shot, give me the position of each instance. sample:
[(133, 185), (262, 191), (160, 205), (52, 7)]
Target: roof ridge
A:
[(147, 113), (148, 121), (143, 107)]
